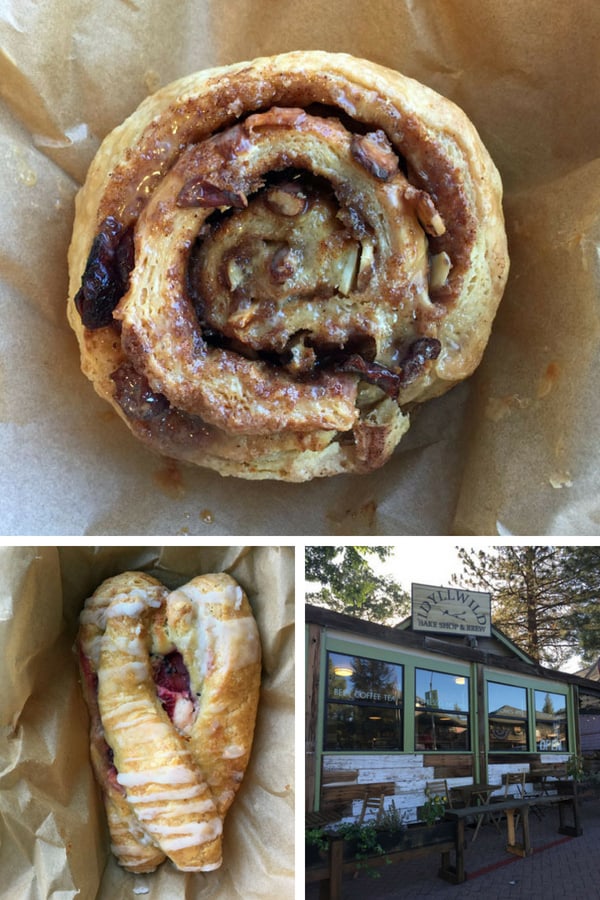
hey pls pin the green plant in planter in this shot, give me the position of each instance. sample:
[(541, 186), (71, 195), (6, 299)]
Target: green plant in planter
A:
[(434, 808), (575, 768), (364, 842), (390, 826), (317, 844), (316, 837)]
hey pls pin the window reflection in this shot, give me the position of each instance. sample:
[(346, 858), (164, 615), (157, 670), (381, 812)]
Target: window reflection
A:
[(507, 717), (364, 704), (441, 711), (550, 721), (589, 722)]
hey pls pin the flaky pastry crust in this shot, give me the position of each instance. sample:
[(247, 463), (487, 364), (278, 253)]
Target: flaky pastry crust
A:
[(170, 740), (273, 261)]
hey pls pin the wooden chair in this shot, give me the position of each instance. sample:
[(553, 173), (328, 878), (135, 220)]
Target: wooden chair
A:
[(372, 805), (518, 780), (514, 779), (439, 788)]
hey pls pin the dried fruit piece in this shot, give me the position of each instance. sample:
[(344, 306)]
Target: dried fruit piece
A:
[(106, 274)]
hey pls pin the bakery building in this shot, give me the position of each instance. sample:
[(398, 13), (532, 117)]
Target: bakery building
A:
[(443, 695)]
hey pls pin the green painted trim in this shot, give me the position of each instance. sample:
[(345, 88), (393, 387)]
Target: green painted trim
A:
[(412, 661), (531, 685), (408, 697), (526, 681), (506, 641), (320, 723), (393, 655), (571, 721)]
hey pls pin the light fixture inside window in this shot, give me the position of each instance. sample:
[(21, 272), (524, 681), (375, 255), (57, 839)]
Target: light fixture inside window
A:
[(459, 679), (343, 671), (375, 718)]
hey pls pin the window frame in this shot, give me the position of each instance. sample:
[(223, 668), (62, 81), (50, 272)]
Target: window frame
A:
[(466, 714), (547, 692), (410, 662), (359, 703), (530, 685), (520, 721)]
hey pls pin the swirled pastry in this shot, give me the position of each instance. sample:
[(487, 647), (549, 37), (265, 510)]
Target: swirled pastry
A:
[(273, 261), (171, 681)]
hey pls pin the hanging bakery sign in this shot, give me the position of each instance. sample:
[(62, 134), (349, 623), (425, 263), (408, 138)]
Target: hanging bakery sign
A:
[(446, 610)]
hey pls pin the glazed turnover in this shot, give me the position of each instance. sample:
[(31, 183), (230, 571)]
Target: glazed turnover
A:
[(171, 680)]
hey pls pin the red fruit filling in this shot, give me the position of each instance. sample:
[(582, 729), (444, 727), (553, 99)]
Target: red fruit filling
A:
[(172, 680)]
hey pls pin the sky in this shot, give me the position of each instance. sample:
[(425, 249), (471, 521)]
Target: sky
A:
[(423, 561)]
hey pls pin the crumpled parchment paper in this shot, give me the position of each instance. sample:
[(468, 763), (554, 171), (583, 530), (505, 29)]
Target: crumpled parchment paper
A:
[(513, 451)]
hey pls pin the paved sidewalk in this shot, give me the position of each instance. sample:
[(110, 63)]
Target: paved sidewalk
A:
[(561, 868)]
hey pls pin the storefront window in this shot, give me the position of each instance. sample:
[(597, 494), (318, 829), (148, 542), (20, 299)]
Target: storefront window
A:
[(550, 721), (507, 717), (364, 704), (441, 711), (589, 722)]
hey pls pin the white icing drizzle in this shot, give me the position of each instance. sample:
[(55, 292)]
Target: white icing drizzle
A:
[(186, 793), (216, 642), (208, 867), (160, 775), (126, 608), (190, 835), (225, 797), (94, 615), (200, 806), (229, 595), (233, 751), (127, 709), (139, 669)]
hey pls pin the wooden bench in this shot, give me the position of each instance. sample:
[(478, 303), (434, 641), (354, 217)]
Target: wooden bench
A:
[(510, 808), (565, 799), (556, 770), (545, 775), (332, 870)]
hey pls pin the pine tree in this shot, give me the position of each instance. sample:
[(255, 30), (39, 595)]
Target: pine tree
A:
[(344, 581), (545, 599)]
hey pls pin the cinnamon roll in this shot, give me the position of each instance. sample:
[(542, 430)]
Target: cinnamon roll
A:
[(272, 262), (171, 681)]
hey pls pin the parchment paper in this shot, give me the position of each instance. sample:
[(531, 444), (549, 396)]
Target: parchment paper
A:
[(513, 451), (53, 836)]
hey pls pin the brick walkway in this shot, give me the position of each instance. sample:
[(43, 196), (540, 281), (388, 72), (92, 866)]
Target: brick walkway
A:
[(561, 868)]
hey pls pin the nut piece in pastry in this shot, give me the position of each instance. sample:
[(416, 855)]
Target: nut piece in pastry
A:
[(172, 683), (272, 262)]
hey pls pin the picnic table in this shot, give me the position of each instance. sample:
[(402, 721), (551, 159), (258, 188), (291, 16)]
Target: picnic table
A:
[(516, 812), (474, 794)]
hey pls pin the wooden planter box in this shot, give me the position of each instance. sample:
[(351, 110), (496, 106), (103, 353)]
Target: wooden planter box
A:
[(420, 835), (314, 856), (587, 790), (414, 842)]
